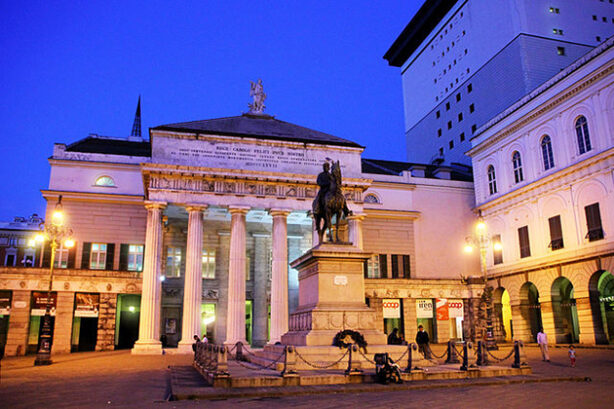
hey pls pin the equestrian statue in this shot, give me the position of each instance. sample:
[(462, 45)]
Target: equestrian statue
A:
[(329, 201)]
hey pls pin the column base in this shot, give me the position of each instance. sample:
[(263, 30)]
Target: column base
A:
[(185, 347), (147, 347)]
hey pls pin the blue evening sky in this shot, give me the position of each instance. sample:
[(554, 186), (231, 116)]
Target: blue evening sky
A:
[(70, 68)]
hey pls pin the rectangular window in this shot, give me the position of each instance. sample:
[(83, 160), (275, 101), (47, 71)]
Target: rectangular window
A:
[(598, 39), (469, 88), (560, 50), (523, 240), (458, 97), (372, 267), (437, 114), (98, 256), (439, 132), (383, 266), (173, 262), (473, 128), (462, 137), (135, 257), (440, 151), (556, 233), (447, 106), (451, 144), (460, 116), (471, 108), (61, 257), (449, 124), (208, 266), (497, 250), (593, 222)]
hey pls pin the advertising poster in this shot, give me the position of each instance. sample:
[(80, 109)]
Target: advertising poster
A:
[(39, 303), (87, 305), (455, 308), (424, 308), (442, 309), (171, 326), (391, 308)]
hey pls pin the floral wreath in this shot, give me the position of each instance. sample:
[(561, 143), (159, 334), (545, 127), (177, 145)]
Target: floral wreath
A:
[(347, 337)]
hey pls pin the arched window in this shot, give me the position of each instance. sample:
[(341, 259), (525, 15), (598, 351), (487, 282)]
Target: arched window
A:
[(547, 153), (371, 198), (584, 139), (106, 181), (517, 163), (492, 182)]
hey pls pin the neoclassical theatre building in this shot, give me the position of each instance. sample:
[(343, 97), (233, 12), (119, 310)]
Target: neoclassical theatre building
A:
[(544, 181), (192, 232)]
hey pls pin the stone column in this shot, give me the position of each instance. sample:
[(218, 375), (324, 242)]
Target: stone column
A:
[(149, 324), (355, 227), (585, 320), (105, 340), (62, 328), (410, 321), (548, 321), (235, 317), (261, 304), (19, 320), (521, 323), (279, 280), (192, 288)]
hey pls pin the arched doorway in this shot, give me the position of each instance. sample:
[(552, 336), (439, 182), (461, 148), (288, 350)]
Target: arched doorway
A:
[(601, 293), (502, 316), (530, 309), (564, 310)]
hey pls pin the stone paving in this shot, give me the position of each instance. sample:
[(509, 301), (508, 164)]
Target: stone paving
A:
[(120, 380)]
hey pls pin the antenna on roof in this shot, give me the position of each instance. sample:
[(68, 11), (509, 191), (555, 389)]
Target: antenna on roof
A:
[(136, 126)]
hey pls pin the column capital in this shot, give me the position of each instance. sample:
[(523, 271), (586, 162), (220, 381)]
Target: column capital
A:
[(238, 209), (357, 216), (150, 204), (195, 207), (276, 212)]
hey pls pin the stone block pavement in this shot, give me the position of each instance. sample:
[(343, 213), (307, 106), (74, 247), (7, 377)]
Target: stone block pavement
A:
[(120, 380)]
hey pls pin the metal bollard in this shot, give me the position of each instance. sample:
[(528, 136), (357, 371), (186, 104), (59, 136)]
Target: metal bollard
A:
[(520, 359), (353, 364), (222, 363), (452, 357), (482, 354), (411, 347), (289, 361), (468, 356)]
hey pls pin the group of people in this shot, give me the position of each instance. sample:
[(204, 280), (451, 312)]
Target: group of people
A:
[(542, 341), (422, 339), (198, 340)]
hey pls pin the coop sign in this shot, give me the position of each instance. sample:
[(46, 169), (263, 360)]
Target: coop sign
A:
[(391, 308)]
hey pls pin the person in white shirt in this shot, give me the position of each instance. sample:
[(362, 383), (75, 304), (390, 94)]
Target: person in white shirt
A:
[(542, 340)]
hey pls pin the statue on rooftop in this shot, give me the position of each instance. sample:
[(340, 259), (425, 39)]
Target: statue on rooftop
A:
[(329, 201), (257, 92)]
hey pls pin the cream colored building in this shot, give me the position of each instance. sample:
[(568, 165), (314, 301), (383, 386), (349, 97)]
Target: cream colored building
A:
[(544, 182), (192, 232)]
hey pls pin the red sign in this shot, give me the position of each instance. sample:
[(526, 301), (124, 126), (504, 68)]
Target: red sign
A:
[(442, 309)]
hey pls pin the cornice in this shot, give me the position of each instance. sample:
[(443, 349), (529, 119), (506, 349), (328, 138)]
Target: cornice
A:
[(392, 214), (93, 197)]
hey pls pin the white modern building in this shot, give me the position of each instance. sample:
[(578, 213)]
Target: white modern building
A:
[(544, 182), (464, 61)]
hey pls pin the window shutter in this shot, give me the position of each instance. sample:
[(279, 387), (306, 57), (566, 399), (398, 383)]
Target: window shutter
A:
[(383, 266), (406, 266), (523, 239), (593, 222), (123, 256), (72, 254), (395, 265), (143, 264), (110, 256), (85, 256), (365, 268), (46, 255)]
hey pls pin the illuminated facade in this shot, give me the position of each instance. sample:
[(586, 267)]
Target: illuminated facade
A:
[(545, 186)]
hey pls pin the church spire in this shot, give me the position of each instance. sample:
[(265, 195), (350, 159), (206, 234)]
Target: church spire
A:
[(136, 126)]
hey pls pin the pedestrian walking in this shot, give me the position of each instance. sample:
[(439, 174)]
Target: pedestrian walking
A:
[(572, 356), (196, 342), (542, 341), (422, 339)]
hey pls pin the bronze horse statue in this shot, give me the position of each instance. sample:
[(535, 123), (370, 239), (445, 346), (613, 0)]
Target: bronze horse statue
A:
[(332, 203)]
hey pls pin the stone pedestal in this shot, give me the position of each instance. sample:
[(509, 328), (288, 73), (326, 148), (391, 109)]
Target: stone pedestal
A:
[(331, 297)]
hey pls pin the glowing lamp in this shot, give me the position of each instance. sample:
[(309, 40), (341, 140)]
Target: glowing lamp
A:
[(57, 217), (39, 237), (468, 248), (497, 246), (481, 226), (131, 308), (70, 243)]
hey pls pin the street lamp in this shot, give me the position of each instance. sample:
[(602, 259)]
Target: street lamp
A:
[(481, 240), (56, 232)]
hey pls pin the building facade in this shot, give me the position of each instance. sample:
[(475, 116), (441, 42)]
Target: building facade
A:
[(192, 232), (544, 183), (463, 62)]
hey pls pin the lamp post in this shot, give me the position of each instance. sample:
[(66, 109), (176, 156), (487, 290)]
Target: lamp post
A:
[(56, 232), (481, 240)]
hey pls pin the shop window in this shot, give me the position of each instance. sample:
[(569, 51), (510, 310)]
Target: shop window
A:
[(492, 180), (173, 262), (98, 256), (556, 233), (208, 263), (593, 222), (523, 240), (547, 154), (584, 140), (517, 164)]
